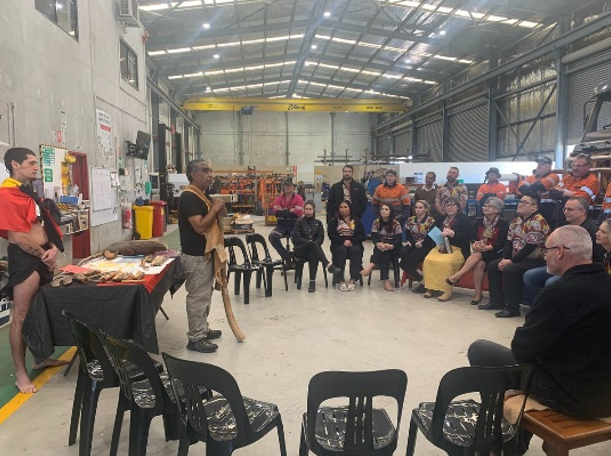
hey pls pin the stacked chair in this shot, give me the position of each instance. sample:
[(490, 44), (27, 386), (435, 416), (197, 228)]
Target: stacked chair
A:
[(265, 262)]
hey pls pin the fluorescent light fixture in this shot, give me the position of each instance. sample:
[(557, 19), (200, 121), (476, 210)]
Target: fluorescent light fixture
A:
[(179, 50), (442, 32), (217, 56), (206, 25), (178, 76), (194, 75), (232, 44), (314, 46), (327, 14), (154, 53)]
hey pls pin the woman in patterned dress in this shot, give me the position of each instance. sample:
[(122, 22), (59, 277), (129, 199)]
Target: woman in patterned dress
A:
[(418, 243), (386, 234), (489, 235), (347, 234)]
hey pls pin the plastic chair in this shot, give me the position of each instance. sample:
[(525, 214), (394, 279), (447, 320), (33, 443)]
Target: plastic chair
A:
[(300, 262), (356, 429), (466, 427), (146, 398), (396, 272), (245, 268), (266, 263), (96, 373), (228, 420)]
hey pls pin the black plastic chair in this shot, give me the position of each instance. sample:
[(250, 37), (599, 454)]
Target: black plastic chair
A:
[(396, 272), (226, 422), (266, 263), (357, 429), (466, 427), (300, 263), (146, 398), (96, 373), (245, 269)]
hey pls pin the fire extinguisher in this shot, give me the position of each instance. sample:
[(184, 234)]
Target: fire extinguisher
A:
[(127, 217)]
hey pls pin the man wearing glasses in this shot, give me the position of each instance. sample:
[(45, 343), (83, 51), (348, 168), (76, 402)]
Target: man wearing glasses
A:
[(576, 213), (565, 335), (527, 235)]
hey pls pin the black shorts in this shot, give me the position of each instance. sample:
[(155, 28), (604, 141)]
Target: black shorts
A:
[(21, 265)]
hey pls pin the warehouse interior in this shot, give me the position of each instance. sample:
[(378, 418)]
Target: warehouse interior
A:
[(116, 97)]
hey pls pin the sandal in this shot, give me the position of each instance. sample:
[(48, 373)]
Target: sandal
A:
[(351, 287), (343, 287), (449, 282)]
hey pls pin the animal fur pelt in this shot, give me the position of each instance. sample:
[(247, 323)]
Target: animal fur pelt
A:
[(131, 248)]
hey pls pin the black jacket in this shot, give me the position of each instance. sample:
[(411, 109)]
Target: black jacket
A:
[(308, 229), (336, 196), (462, 232), (566, 337), (357, 238)]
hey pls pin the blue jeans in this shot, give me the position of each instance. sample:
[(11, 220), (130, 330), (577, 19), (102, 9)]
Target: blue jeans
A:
[(534, 281)]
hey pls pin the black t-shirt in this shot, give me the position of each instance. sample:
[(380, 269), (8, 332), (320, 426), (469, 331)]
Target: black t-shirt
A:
[(191, 242)]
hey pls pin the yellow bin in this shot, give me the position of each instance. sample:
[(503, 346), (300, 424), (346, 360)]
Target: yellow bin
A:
[(143, 217)]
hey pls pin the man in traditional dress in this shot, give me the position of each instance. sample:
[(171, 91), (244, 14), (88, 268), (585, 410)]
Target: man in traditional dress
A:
[(34, 240)]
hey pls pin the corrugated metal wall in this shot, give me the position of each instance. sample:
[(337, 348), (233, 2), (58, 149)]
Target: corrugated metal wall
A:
[(430, 137), (469, 131), (581, 85)]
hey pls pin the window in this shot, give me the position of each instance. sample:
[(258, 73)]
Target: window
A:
[(62, 12), (129, 65)]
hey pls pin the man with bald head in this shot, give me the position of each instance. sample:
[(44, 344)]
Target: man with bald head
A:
[(566, 333)]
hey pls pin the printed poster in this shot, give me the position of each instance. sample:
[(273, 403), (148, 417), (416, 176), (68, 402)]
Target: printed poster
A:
[(104, 133)]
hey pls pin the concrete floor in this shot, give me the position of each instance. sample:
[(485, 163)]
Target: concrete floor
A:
[(290, 337)]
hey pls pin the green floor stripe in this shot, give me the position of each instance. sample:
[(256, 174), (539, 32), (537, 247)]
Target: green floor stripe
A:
[(7, 370), (172, 240)]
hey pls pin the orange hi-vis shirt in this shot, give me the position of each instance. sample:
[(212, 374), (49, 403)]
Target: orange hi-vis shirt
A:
[(607, 200), (498, 189), (549, 181), (587, 187)]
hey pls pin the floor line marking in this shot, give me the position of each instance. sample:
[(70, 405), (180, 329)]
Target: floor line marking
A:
[(13, 405)]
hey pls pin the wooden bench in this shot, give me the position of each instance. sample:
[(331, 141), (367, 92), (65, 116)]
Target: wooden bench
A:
[(561, 433)]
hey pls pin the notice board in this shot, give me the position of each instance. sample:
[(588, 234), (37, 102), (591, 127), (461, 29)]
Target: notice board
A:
[(104, 197)]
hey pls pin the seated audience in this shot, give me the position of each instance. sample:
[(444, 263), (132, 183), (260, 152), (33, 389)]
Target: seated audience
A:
[(386, 235), (565, 335), (522, 251), (450, 190), (418, 243), (308, 235), (606, 209), (444, 261), (541, 182), (491, 186), (394, 194), (347, 234), (288, 207), (603, 238), (576, 213), (488, 235)]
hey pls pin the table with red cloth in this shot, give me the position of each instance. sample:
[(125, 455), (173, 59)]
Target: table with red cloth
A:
[(125, 311)]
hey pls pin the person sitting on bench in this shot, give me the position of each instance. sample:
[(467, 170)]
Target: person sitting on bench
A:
[(565, 335)]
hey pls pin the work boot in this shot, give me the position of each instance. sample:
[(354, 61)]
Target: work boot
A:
[(202, 346), (214, 334), (312, 286)]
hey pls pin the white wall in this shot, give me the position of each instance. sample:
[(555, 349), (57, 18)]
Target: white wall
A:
[(264, 137), (44, 70)]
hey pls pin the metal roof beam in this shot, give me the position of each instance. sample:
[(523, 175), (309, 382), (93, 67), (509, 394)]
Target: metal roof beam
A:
[(433, 76), (559, 43), (159, 43)]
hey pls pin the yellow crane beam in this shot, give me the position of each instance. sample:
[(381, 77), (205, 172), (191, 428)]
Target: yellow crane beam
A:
[(292, 105)]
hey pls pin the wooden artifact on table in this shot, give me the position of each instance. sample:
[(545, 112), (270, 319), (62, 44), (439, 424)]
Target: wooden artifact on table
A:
[(132, 248)]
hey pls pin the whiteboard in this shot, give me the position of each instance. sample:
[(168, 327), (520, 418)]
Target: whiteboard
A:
[(101, 189)]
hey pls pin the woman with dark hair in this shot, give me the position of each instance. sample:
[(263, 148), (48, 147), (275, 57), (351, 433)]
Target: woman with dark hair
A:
[(444, 261), (308, 235), (386, 234), (418, 244), (347, 234), (603, 237), (488, 235)]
